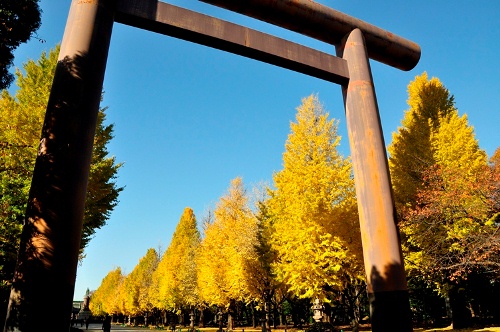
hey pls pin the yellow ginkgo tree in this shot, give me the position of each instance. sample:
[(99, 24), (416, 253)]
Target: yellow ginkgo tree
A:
[(450, 216), (444, 189), (312, 209), (410, 150), (136, 286), (174, 285), (226, 251), (106, 298)]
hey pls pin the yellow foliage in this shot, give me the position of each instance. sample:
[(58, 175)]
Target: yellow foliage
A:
[(106, 299), (313, 209), (410, 150), (437, 170), (175, 279), (455, 147), (227, 249)]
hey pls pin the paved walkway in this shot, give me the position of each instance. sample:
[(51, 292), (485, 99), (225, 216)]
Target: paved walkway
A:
[(96, 327)]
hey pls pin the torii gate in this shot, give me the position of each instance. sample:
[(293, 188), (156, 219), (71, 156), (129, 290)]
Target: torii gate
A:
[(43, 285)]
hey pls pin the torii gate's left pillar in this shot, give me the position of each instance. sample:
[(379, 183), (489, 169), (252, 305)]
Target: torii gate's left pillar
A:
[(43, 285)]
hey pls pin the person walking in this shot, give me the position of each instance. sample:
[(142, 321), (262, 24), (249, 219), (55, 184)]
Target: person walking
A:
[(106, 324), (87, 321)]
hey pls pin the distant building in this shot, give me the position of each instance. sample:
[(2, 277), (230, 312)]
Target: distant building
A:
[(78, 304)]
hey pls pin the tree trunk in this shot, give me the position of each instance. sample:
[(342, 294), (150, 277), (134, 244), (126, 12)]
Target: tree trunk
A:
[(254, 320), (201, 323), (295, 318), (356, 312), (230, 315), (276, 314)]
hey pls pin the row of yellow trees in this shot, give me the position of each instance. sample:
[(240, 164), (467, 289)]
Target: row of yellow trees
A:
[(299, 238)]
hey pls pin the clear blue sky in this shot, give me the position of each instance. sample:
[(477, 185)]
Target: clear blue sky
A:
[(189, 118)]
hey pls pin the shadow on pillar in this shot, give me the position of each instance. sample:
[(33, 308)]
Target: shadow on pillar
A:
[(43, 282), (389, 308)]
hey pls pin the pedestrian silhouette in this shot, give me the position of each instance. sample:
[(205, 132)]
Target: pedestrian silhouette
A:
[(106, 325)]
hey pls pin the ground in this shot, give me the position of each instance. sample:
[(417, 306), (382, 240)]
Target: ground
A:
[(249, 329)]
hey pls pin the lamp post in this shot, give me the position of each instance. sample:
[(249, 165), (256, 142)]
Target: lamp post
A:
[(317, 308), (191, 320)]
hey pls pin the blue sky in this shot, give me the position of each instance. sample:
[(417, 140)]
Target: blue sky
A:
[(189, 119)]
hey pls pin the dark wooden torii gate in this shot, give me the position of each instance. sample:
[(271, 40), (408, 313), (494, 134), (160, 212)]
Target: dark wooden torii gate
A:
[(43, 285)]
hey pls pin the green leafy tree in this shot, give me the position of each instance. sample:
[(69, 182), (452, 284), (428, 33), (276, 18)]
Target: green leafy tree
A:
[(262, 281), (313, 209), (19, 21), (102, 189), (21, 120), (268, 292)]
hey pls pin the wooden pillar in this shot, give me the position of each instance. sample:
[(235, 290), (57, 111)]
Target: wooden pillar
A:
[(387, 288), (43, 285)]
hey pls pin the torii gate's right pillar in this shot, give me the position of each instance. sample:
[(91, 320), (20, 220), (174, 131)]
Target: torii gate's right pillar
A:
[(387, 288)]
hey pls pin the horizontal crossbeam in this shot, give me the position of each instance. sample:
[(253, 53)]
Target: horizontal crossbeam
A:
[(188, 25), (315, 20)]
